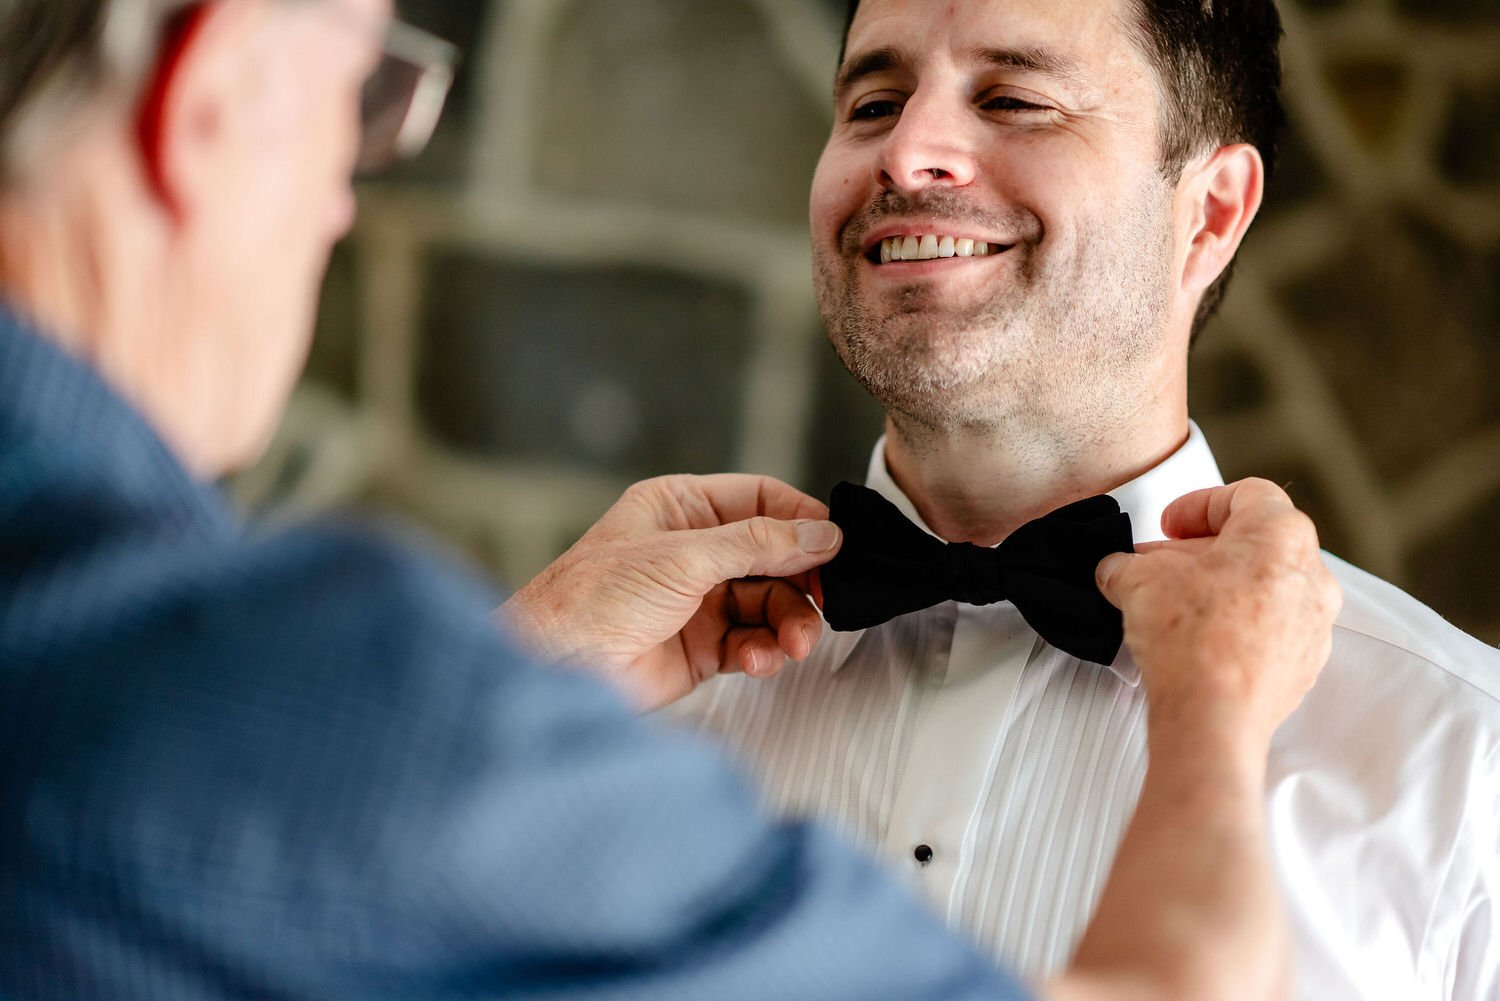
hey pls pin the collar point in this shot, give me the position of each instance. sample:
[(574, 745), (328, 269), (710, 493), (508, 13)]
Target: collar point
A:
[(1125, 668)]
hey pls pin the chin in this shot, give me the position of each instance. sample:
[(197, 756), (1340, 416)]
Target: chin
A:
[(218, 459), (246, 457), (245, 437), (926, 390)]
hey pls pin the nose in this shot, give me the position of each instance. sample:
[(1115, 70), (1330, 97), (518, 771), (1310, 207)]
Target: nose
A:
[(928, 147)]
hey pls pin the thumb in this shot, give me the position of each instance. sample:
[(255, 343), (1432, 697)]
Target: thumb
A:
[(763, 547), (1112, 574)]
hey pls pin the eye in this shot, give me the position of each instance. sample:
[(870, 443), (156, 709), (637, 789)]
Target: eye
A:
[(1004, 102), (869, 111)]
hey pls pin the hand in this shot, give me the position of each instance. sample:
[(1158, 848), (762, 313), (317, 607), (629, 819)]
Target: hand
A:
[(1232, 622), (684, 578)]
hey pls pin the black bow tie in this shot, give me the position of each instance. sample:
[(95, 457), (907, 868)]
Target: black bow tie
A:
[(889, 567)]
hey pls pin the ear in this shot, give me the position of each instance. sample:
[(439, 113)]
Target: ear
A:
[(1224, 194), (182, 112)]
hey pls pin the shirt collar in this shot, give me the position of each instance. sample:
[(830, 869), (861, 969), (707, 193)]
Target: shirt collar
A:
[(65, 431), (1191, 467)]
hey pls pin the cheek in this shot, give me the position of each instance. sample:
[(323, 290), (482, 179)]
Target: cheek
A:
[(837, 193), (309, 182), (1069, 188), (312, 121), (1044, 170)]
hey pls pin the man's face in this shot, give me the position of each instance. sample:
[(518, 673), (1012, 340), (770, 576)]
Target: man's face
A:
[(1029, 126), (282, 199)]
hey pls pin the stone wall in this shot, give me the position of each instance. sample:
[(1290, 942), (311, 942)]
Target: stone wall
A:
[(600, 273)]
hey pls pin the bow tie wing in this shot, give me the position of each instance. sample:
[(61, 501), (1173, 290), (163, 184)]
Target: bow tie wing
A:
[(1050, 566), (886, 567)]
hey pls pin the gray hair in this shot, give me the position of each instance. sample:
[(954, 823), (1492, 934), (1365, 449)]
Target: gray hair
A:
[(62, 58)]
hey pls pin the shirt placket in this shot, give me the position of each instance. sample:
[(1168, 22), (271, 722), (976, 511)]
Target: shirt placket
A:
[(960, 723)]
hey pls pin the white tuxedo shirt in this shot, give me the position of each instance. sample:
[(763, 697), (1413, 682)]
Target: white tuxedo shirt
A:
[(998, 774)]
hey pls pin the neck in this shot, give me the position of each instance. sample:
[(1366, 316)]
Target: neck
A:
[(980, 483), (82, 257), (41, 276)]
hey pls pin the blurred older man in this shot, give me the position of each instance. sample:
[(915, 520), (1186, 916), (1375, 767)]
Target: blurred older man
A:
[(307, 765)]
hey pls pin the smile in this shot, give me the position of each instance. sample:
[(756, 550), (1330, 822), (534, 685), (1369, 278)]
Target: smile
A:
[(931, 247)]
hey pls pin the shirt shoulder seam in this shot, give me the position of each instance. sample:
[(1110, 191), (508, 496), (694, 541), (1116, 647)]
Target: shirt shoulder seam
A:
[(1493, 697)]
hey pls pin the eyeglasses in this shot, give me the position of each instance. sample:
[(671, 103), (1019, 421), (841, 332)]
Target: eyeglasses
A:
[(399, 107), (404, 97)]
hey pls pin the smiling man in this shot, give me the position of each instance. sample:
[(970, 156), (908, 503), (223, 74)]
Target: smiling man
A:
[(1024, 214)]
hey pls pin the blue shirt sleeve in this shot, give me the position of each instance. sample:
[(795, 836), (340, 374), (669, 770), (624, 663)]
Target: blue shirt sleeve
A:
[(310, 768)]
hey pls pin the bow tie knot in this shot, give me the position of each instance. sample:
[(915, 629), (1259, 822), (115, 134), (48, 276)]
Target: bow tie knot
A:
[(889, 567), (971, 574)]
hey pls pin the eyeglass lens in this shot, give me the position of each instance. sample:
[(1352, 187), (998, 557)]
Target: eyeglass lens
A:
[(404, 97)]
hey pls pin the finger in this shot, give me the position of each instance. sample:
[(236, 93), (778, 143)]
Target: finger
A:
[(1189, 546), (781, 607), (758, 547), (691, 502), (1204, 513), (1120, 572), (796, 622), (1112, 575), (753, 650), (731, 495), (703, 635)]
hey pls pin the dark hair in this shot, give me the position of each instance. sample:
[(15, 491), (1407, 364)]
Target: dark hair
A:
[(1219, 68), (62, 55)]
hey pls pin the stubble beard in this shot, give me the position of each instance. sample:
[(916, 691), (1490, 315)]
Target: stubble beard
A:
[(1067, 341)]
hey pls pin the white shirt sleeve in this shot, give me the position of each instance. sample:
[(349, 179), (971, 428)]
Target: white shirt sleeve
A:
[(1474, 968)]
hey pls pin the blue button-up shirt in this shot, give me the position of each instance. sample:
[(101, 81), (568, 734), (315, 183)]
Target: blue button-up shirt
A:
[(306, 766)]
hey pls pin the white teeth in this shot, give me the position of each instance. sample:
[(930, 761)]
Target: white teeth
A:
[(932, 247)]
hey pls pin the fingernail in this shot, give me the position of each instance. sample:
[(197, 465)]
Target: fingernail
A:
[(757, 662), (817, 536)]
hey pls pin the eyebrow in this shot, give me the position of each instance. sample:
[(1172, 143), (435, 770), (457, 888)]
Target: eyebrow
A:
[(1031, 59), (868, 64), (1047, 62)]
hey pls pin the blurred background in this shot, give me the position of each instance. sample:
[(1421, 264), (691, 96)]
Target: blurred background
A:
[(599, 272)]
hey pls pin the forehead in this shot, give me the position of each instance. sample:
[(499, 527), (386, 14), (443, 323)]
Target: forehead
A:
[(1091, 36)]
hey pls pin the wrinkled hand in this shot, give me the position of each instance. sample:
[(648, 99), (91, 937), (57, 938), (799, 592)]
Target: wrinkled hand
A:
[(684, 578), (1232, 620)]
